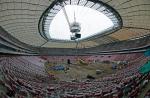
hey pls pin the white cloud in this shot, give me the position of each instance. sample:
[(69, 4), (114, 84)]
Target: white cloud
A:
[(92, 22)]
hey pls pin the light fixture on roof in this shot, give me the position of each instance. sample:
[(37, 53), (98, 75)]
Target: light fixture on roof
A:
[(75, 29)]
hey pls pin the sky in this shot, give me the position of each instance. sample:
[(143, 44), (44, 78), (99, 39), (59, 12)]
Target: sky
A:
[(92, 22)]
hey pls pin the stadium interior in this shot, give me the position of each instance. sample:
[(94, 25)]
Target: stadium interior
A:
[(74, 48)]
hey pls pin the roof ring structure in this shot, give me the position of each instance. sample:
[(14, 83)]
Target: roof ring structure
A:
[(94, 17)]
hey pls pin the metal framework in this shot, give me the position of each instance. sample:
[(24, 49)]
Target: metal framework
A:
[(23, 19), (56, 6)]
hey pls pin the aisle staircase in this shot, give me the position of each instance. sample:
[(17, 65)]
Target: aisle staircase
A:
[(142, 94), (2, 88)]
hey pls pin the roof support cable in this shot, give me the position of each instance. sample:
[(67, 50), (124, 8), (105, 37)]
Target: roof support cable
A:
[(77, 42)]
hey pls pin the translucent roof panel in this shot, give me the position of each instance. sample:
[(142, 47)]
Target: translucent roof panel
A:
[(92, 22)]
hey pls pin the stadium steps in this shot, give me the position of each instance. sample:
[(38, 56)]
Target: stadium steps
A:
[(144, 90), (2, 88)]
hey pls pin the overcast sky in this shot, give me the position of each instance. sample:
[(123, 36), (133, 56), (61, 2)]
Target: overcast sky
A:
[(92, 22)]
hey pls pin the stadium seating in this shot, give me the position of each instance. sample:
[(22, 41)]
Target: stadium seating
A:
[(23, 79)]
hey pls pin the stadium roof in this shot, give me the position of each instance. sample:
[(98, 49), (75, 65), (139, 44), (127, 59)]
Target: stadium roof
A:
[(21, 19)]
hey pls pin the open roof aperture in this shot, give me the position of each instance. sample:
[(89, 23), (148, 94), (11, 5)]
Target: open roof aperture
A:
[(95, 18)]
